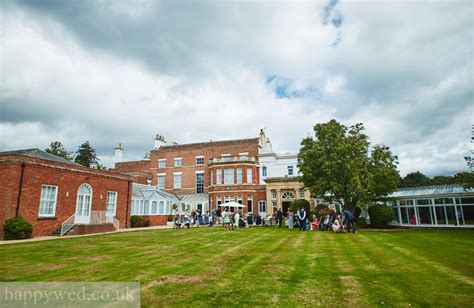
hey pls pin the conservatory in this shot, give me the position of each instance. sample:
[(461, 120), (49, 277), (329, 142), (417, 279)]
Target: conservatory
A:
[(433, 206), (151, 201)]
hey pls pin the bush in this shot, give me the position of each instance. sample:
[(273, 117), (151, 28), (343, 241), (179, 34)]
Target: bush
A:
[(361, 222), (136, 221), (380, 215), (296, 204), (170, 218), (17, 229)]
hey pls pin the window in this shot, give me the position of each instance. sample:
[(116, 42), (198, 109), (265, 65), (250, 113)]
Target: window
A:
[(274, 194), (168, 207), (161, 208), (218, 200), (302, 194), (177, 180), (290, 170), (239, 175), (154, 207), (146, 210), (228, 176), (288, 195), (219, 177), (48, 201), (262, 206), (161, 180), (228, 199), (199, 160), (240, 200), (212, 177), (200, 182), (111, 203), (249, 203), (264, 170), (178, 162), (161, 163), (249, 175)]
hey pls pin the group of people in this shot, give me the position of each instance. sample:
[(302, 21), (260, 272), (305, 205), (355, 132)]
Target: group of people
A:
[(336, 221)]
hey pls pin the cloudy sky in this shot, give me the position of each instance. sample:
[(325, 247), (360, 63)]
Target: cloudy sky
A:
[(122, 71)]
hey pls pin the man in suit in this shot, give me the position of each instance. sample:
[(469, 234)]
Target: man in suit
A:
[(302, 218)]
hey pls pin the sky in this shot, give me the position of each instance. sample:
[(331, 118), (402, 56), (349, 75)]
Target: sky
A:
[(122, 71)]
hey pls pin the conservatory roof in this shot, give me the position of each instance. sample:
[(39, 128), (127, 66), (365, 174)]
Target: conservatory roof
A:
[(151, 192), (430, 191), (194, 198)]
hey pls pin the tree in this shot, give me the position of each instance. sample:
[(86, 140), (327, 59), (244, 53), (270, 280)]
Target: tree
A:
[(414, 179), (337, 164), (466, 179), (86, 155), (57, 148)]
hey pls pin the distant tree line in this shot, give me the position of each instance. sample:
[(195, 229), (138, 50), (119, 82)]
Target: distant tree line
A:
[(85, 154), (417, 178)]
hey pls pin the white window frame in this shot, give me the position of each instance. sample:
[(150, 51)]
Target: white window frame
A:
[(239, 175), (163, 176), (250, 198), (229, 177), (301, 194), (249, 176), (240, 199), (260, 204), (109, 203), (175, 174), (219, 177), (199, 157), (264, 171), (161, 207), (162, 163), (176, 160), (274, 194), (43, 202), (199, 173), (291, 170)]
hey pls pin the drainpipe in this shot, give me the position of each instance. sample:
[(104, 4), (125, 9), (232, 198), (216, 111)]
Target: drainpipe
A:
[(19, 189), (128, 202)]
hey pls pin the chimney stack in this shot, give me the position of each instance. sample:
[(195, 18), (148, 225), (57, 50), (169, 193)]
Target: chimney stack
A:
[(159, 141), (118, 153)]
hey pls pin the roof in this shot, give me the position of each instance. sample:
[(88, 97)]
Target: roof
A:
[(209, 143), (194, 198), (281, 179), (149, 192), (40, 154), (430, 191)]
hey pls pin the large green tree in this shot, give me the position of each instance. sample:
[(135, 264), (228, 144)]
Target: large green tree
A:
[(340, 164), (57, 148), (414, 179), (86, 155)]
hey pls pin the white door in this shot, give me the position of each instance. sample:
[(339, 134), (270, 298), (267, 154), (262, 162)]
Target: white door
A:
[(83, 204)]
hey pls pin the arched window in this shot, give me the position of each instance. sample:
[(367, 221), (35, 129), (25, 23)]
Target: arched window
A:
[(288, 195)]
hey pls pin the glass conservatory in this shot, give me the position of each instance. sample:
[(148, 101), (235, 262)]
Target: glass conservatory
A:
[(433, 206)]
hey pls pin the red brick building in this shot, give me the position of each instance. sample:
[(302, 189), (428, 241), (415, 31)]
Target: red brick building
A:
[(205, 175), (47, 191)]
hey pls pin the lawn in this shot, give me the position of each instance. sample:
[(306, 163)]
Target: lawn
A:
[(261, 266)]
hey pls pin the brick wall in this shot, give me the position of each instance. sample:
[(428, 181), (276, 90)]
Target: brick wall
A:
[(68, 178)]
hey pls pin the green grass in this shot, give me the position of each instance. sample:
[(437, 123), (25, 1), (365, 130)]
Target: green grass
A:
[(261, 266)]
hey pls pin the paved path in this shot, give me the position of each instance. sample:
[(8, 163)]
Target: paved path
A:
[(48, 238)]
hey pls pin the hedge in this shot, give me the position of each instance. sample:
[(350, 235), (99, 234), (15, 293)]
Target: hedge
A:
[(17, 229)]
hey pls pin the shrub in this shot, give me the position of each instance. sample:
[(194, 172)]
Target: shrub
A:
[(361, 222), (136, 221), (380, 215), (17, 229), (170, 218), (296, 204)]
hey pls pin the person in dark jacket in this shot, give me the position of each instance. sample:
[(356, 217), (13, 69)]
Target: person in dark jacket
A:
[(279, 217), (349, 220)]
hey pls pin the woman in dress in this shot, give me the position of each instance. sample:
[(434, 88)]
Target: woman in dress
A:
[(290, 219), (225, 215), (337, 226)]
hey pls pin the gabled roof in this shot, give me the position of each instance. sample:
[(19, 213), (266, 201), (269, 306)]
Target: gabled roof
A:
[(148, 192), (40, 154), (430, 191)]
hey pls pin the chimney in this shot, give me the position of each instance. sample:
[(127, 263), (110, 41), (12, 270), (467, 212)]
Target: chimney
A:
[(118, 153), (159, 141)]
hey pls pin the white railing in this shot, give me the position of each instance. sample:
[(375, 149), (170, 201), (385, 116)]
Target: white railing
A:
[(225, 159), (67, 224)]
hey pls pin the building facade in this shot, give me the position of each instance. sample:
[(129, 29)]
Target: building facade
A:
[(51, 192), (279, 172), (208, 174)]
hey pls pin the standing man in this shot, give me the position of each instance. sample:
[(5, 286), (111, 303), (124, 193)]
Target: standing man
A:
[(218, 215), (349, 220), (279, 217), (302, 218)]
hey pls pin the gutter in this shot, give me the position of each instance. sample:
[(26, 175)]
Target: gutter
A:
[(19, 189)]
